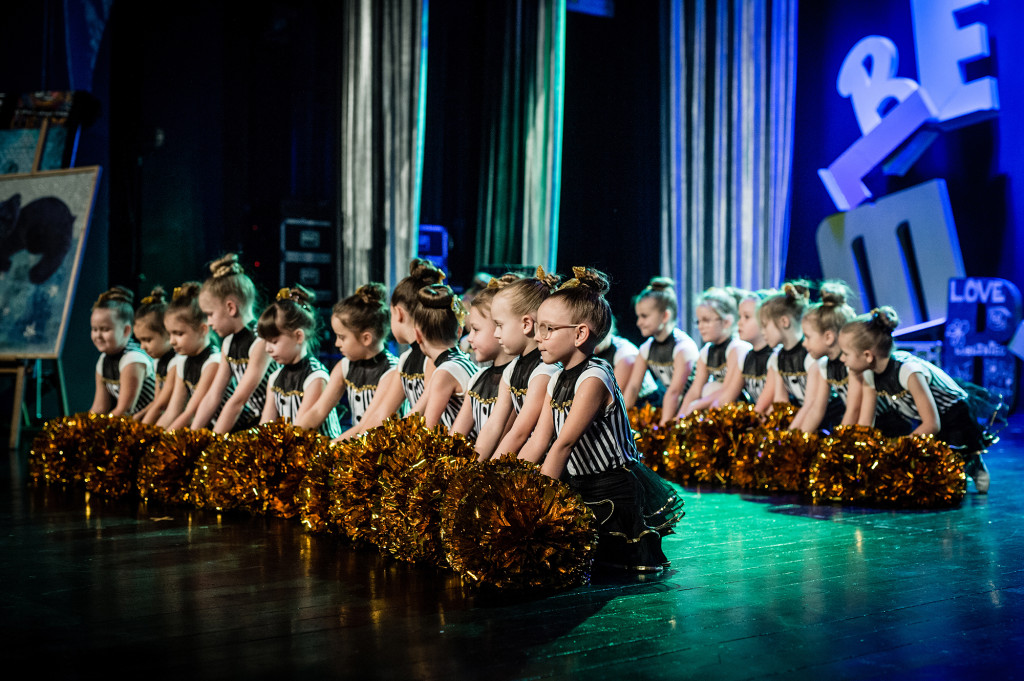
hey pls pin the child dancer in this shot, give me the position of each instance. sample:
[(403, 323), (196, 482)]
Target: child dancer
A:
[(124, 373), (755, 364), (523, 390), (827, 404), (907, 394), (483, 391), (721, 359), (288, 326), (668, 352), (587, 421), (190, 336), (438, 320), (366, 369), (780, 315), (227, 299), (154, 339), (414, 367)]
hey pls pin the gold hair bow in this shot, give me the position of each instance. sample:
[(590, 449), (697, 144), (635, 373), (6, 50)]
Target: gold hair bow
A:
[(178, 293), (577, 272), (540, 272), (148, 300), (223, 271), (459, 308), (494, 283), (284, 293)]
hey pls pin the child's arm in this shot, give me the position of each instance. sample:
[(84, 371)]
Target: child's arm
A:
[(680, 372), (590, 398), (443, 385), (175, 404), (812, 411), (208, 407), (463, 423), (313, 418), (854, 395), (732, 384), (132, 377), (102, 401), (526, 420), (161, 399), (255, 370), (269, 408), (868, 404), (771, 388), (692, 397), (533, 451), (386, 401), (636, 381), (925, 401), (497, 424), (202, 387), (312, 391)]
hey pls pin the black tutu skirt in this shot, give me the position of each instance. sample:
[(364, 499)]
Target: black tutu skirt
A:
[(624, 540), (660, 503)]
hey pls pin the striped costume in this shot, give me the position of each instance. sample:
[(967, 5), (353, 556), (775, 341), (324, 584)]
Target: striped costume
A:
[(288, 384), (411, 368), (755, 373), (238, 349), (457, 363), (482, 394), (660, 355), (521, 371), (109, 367), (362, 378), (793, 365)]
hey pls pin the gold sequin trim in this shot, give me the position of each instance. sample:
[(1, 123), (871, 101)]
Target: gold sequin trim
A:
[(111, 381), (238, 360), (894, 396), (290, 393), (561, 406), (411, 377), (660, 364), (842, 382), (363, 388), (755, 376), (518, 392), (792, 374), (481, 400)]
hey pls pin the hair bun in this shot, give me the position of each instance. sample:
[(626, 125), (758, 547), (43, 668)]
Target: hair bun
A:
[(662, 284), (371, 294), (187, 291), (298, 294), (834, 293), (226, 266), (797, 290), (436, 296), (157, 296), (548, 279), (425, 272), (589, 279), (885, 317)]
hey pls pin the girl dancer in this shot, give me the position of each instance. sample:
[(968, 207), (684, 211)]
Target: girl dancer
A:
[(438, 319), (124, 373), (721, 358), (154, 339), (288, 326), (668, 352), (366, 369), (755, 364), (780, 315), (587, 423), (190, 336), (227, 299)]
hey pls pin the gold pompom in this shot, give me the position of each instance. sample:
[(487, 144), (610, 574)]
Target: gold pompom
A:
[(919, 471), (167, 467), (781, 416), (508, 526), (54, 456)]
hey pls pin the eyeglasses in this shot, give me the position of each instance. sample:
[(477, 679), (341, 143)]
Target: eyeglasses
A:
[(544, 331)]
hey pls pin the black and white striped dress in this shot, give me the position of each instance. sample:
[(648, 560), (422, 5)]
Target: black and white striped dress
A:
[(897, 413), (660, 355), (163, 365), (521, 371), (362, 378), (608, 441), (462, 367), (411, 368), (793, 366), (482, 394), (288, 385), (716, 358), (193, 365), (755, 372), (109, 367), (238, 350)]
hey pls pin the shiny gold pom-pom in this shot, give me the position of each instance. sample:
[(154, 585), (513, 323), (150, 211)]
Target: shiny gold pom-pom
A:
[(781, 416), (649, 436), (919, 471), (506, 525), (167, 466), (54, 456), (314, 494), (783, 460), (842, 469)]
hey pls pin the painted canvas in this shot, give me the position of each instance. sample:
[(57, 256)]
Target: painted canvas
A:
[(44, 220)]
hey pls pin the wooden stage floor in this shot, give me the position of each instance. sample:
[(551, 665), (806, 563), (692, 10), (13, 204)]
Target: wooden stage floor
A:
[(760, 587)]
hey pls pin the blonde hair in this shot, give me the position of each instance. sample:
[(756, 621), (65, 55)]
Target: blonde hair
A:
[(483, 298), (789, 302), (832, 312), (583, 295), (228, 279), (525, 295)]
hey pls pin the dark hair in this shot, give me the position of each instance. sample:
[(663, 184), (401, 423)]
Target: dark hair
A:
[(790, 302), (873, 331), (185, 303), (291, 311), (485, 296), (119, 301), (832, 312), (154, 305), (228, 278), (526, 294), (421, 273), (365, 310), (583, 295), (438, 316), (662, 290)]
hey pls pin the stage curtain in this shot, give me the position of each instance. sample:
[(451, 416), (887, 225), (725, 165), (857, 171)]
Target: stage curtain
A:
[(383, 76), (520, 175), (728, 91)]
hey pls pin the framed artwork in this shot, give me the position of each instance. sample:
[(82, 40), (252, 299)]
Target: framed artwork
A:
[(44, 220)]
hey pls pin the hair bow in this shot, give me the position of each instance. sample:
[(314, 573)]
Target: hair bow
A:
[(284, 293), (148, 300), (494, 283), (178, 293), (459, 308), (577, 272)]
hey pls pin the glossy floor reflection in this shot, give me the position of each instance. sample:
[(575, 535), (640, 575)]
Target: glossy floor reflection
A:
[(761, 587)]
